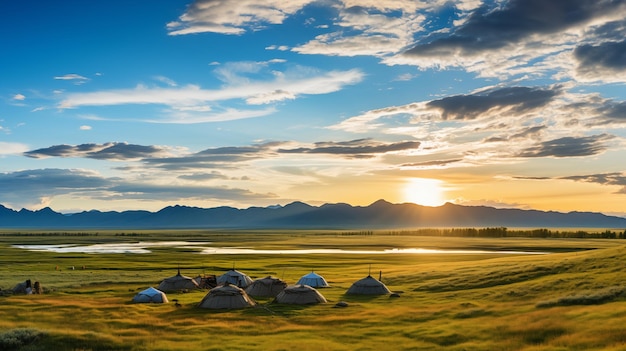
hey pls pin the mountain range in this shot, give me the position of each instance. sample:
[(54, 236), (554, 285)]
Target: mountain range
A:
[(298, 215)]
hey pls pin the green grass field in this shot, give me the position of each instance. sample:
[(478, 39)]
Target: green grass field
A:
[(571, 299)]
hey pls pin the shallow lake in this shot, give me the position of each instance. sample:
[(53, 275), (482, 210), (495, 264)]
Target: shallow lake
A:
[(205, 249)]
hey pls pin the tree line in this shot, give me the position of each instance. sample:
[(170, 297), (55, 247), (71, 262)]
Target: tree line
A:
[(503, 232)]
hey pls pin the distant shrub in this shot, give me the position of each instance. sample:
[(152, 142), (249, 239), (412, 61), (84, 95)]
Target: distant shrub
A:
[(16, 339), (586, 298)]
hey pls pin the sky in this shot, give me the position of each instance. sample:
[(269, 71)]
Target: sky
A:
[(125, 105)]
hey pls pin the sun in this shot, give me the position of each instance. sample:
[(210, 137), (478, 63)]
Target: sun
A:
[(424, 191)]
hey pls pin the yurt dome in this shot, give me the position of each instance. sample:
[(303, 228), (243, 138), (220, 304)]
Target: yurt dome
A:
[(178, 282), (150, 295), (300, 295), (234, 277), (266, 287), (368, 286), (313, 280), (226, 296)]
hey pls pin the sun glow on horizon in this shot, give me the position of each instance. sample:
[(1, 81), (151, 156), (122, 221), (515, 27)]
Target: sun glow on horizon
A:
[(425, 192)]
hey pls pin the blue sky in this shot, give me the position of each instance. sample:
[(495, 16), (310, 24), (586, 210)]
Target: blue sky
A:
[(117, 105)]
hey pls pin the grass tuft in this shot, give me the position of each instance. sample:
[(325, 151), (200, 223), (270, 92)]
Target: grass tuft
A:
[(17, 339), (586, 298)]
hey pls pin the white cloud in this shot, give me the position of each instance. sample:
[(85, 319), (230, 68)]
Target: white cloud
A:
[(233, 17), (85, 127), (71, 76), (19, 97), (289, 86), (12, 148)]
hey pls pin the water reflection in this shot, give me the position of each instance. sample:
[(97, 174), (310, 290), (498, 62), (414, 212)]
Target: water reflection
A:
[(144, 248)]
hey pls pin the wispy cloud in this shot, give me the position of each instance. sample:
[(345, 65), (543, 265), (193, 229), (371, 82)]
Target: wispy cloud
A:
[(281, 87), (19, 97), (76, 78)]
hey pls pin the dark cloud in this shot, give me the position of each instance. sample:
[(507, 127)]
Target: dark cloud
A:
[(603, 178), (360, 148), (107, 151), (609, 55), (222, 157), (569, 147), (517, 99), (489, 28), (29, 187), (49, 180)]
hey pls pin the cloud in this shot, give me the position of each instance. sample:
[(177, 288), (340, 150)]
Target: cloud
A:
[(433, 164), (569, 147), (513, 38), (201, 177), (514, 100), (108, 151), (500, 101), (605, 61), (85, 127), (7, 148), (19, 97), (365, 28), (77, 79), (29, 187), (284, 86), (227, 17), (614, 178), (359, 148), (222, 157)]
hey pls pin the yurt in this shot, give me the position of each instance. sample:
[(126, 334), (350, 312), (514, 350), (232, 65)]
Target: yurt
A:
[(177, 282), (266, 287), (150, 295), (234, 277), (300, 295), (226, 296), (313, 280), (368, 286)]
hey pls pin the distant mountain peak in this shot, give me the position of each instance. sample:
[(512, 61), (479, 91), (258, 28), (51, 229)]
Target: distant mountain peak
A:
[(299, 215)]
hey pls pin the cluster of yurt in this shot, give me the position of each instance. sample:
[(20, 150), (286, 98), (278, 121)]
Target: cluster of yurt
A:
[(237, 290)]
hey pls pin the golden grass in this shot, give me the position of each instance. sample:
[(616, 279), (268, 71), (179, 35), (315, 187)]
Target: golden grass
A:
[(448, 302)]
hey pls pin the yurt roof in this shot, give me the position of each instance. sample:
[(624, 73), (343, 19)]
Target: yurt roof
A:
[(226, 297), (368, 286), (178, 282), (314, 280), (235, 277), (266, 287), (151, 295), (300, 295)]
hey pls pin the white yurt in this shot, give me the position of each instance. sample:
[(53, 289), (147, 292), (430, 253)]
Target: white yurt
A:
[(150, 295), (226, 296), (300, 295), (368, 286), (177, 283), (266, 287), (234, 277), (313, 280)]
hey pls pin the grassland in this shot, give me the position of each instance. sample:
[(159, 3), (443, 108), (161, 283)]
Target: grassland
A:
[(571, 299)]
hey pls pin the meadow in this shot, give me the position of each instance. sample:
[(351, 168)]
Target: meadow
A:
[(571, 298)]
